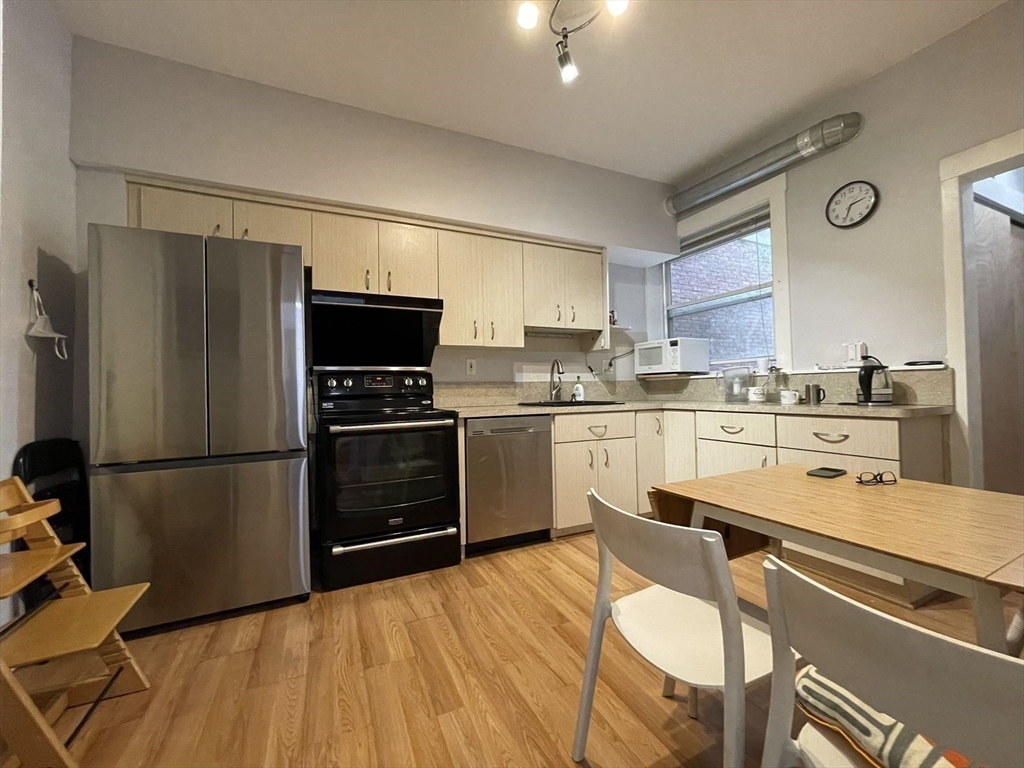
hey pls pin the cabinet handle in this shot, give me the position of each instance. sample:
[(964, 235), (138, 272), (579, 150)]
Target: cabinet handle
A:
[(764, 461), (492, 330), (831, 437), (474, 329), (559, 308), (366, 280), (658, 430), (245, 233), (591, 452), (573, 308), (216, 231), (730, 430), (389, 281), (603, 427), (607, 459)]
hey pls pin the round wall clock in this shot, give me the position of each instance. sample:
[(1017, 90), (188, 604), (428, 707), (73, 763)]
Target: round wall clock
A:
[(851, 204)]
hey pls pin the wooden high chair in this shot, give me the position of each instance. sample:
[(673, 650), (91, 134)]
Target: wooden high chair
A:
[(74, 620)]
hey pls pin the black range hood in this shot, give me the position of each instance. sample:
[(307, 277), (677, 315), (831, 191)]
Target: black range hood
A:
[(360, 330)]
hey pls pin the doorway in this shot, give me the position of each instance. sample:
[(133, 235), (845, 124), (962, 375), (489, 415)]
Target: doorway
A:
[(994, 309)]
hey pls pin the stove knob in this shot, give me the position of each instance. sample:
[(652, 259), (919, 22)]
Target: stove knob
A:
[(422, 382), (332, 383), (408, 382), (347, 383)]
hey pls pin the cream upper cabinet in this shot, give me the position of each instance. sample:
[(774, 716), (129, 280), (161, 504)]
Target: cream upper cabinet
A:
[(408, 260), (344, 253), (575, 474), (274, 224), (616, 473), (170, 210), (503, 292), (584, 290), (460, 286), (650, 456), (563, 288), (720, 458), (544, 274)]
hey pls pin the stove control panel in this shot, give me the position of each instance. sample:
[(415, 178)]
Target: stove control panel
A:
[(352, 384)]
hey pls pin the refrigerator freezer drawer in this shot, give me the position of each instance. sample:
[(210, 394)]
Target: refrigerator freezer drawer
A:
[(208, 538)]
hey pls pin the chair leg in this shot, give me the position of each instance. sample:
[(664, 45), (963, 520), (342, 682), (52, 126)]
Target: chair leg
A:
[(691, 700), (579, 746), (668, 688)]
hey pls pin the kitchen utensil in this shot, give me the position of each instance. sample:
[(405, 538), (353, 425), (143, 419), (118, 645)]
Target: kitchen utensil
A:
[(735, 382), (814, 394), (874, 384), (755, 394), (789, 397)]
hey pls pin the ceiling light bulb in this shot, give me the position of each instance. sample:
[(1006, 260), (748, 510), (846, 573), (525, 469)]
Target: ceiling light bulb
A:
[(616, 7), (565, 63), (528, 15)]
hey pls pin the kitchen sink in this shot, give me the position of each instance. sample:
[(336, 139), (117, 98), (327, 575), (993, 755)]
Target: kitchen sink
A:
[(566, 403)]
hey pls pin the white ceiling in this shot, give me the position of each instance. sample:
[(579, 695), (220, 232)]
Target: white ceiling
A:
[(663, 88)]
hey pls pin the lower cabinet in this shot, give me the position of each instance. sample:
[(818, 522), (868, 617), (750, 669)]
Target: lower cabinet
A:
[(666, 451), (719, 458), (609, 466), (852, 464)]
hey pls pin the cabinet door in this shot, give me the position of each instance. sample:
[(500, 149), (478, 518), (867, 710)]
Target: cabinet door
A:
[(717, 458), (275, 224), (852, 464), (575, 474), (408, 260), (616, 472), (503, 292), (680, 446), (650, 456), (460, 285), (544, 274), (584, 290), (172, 211), (344, 253)]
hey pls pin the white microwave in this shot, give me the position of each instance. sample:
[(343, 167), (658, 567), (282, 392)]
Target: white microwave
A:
[(672, 356)]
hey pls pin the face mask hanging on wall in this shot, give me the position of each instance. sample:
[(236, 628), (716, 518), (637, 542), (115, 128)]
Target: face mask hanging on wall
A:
[(42, 327)]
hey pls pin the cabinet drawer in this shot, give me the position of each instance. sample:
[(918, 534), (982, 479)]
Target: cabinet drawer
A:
[(857, 437), (750, 428), (852, 464), (572, 428)]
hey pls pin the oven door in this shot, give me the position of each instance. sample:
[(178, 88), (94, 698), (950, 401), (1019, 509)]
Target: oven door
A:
[(384, 474)]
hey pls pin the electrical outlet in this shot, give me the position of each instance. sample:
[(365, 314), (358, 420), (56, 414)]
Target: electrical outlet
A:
[(608, 366), (471, 366)]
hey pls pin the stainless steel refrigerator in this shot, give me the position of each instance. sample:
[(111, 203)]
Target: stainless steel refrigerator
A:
[(197, 421)]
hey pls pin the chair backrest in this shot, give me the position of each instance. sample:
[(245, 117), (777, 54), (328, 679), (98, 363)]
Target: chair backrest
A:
[(963, 697), (688, 560)]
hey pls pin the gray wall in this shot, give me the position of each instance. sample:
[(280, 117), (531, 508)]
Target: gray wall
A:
[(37, 225), (138, 112), (883, 281)]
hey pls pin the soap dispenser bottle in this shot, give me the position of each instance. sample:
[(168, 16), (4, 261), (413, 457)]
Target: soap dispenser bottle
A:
[(577, 391)]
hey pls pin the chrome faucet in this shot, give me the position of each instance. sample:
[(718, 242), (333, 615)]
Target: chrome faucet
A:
[(555, 388)]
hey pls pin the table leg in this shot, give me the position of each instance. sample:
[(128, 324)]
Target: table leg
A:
[(989, 624)]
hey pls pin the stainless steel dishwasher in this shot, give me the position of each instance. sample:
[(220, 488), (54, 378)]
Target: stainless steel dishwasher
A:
[(508, 481)]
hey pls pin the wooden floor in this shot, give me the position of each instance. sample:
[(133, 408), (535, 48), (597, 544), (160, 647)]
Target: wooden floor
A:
[(476, 665)]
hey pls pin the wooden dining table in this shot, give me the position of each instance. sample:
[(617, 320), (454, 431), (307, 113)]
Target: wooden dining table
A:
[(962, 540)]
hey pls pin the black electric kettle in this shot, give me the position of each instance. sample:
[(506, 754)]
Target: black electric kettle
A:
[(874, 385)]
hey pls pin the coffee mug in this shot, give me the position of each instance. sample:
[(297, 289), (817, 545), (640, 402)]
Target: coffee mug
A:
[(814, 394), (755, 394), (789, 397)]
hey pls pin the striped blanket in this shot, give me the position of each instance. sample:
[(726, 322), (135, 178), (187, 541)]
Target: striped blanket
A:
[(879, 738)]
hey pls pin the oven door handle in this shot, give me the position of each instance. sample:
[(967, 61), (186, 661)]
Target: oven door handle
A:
[(340, 549), (392, 426)]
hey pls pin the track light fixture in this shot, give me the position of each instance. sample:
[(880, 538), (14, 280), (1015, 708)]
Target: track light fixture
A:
[(527, 19)]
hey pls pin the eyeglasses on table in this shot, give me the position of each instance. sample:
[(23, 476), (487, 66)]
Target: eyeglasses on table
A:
[(879, 478)]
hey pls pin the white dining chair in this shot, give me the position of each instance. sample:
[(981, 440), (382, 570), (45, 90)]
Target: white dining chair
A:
[(688, 625), (961, 696)]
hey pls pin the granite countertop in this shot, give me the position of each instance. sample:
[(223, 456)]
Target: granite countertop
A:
[(825, 409)]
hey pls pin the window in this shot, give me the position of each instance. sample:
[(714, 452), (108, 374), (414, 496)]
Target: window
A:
[(721, 288)]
